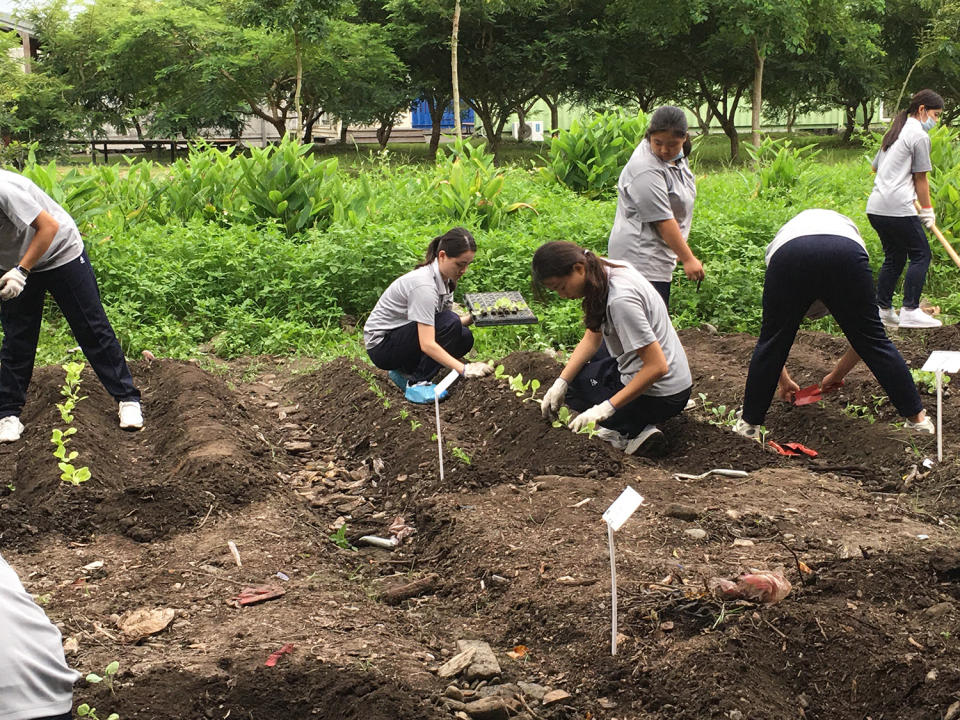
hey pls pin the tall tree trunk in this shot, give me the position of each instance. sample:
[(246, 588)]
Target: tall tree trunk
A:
[(868, 108), (703, 120), (554, 106), (454, 72), (299, 89), (791, 118), (850, 124), (343, 132), (725, 110), (436, 108), (757, 99), (383, 133)]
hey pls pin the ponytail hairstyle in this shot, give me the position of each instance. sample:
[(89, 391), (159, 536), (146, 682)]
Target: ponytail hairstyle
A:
[(556, 260), (669, 118), (928, 98), (454, 242)]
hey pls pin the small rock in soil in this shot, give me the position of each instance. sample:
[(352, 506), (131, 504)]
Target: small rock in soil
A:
[(492, 708), (953, 711), (532, 690), (298, 446), (484, 664), (508, 690), (681, 512), (939, 610), (456, 665), (696, 533), (453, 692), (607, 703), (742, 542), (555, 696)]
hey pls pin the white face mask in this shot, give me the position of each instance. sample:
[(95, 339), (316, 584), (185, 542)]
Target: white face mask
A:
[(928, 123)]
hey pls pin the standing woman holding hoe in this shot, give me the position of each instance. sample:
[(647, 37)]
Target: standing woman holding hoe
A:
[(902, 166), (655, 196), (629, 372), (412, 330)]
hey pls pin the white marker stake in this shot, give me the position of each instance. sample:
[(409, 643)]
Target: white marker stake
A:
[(615, 516), (939, 415), (438, 391), (939, 362)]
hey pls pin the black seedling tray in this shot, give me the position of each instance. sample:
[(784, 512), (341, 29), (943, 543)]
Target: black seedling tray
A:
[(499, 308)]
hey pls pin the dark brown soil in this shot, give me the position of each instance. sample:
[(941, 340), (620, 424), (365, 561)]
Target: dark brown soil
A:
[(513, 541)]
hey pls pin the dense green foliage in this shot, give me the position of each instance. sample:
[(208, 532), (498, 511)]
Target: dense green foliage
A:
[(188, 263)]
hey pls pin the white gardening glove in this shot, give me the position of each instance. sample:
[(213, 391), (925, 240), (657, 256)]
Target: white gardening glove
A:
[(927, 216), (11, 284), (476, 370), (595, 415), (553, 399)]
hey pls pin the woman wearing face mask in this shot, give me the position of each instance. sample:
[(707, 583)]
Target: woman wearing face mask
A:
[(655, 196), (902, 166), (413, 332)]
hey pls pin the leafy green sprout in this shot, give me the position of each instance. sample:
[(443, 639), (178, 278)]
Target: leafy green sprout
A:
[(414, 424), (460, 455), (107, 677), (564, 417), (85, 710), (60, 438), (926, 381), (339, 538)]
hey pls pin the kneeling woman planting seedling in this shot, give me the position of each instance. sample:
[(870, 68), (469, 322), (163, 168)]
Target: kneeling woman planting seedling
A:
[(41, 250), (629, 372), (413, 331)]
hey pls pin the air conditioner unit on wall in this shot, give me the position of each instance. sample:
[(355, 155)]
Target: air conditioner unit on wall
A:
[(533, 130)]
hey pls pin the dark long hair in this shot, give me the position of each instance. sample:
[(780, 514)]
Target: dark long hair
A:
[(556, 259), (928, 98), (454, 242), (672, 119)]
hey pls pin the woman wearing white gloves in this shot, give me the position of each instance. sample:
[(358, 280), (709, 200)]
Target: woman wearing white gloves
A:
[(629, 372), (902, 166), (41, 246), (413, 332)]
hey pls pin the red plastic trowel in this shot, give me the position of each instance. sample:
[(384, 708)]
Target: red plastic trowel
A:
[(808, 395)]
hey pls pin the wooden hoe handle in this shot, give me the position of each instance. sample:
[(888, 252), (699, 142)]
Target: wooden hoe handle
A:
[(943, 241)]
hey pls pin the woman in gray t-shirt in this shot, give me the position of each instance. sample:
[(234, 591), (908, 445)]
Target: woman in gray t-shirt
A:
[(655, 196), (629, 372), (902, 166)]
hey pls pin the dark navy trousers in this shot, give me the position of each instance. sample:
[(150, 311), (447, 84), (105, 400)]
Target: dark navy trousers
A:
[(599, 380), (400, 349), (902, 238), (74, 288), (836, 270)]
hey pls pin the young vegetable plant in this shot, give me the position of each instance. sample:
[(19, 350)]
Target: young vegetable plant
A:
[(86, 711), (60, 438), (460, 455), (107, 677), (339, 538)]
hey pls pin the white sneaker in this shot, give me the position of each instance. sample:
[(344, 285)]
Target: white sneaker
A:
[(691, 404), (618, 440), (889, 316), (917, 318), (131, 417), (924, 426), (747, 430), (10, 428), (651, 441)]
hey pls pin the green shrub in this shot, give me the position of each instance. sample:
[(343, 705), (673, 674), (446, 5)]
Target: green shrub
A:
[(589, 157), (945, 178), (206, 184), (779, 165)]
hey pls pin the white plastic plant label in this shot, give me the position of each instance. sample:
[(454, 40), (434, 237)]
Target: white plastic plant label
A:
[(947, 361), (446, 382), (622, 508)]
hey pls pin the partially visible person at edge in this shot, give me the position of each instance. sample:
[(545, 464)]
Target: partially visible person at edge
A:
[(655, 196), (35, 681), (41, 250), (902, 165), (835, 279), (629, 372), (413, 331)]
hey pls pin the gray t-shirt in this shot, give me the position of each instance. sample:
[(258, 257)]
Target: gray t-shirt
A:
[(650, 190), (636, 317), (416, 297), (893, 189), (35, 681), (814, 222)]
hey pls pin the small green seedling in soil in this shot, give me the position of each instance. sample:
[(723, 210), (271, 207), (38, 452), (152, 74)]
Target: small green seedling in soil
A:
[(107, 677), (414, 424), (590, 429), (703, 400), (926, 381), (534, 386), (517, 384), (723, 417), (460, 455), (499, 371), (74, 475), (859, 411), (564, 416), (339, 538), (85, 710)]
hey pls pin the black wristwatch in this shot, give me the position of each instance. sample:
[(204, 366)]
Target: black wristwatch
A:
[(21, 268)]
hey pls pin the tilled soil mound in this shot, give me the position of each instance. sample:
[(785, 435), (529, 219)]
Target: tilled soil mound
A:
[(200, 451)]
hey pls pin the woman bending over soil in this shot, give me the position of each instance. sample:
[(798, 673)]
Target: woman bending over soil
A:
[(655, 196), (413, 332), (629, 372), (902, 166), (817, 264)]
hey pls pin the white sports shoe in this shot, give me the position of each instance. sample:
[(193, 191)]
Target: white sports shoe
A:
[(924, 426), (651, 441), (131, 417), (889, 316), (747, 430), (917, 318), (10, 428), (618, 440)]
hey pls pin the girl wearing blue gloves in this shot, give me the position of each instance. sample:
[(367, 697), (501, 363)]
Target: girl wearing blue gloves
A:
[(413, 330)]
